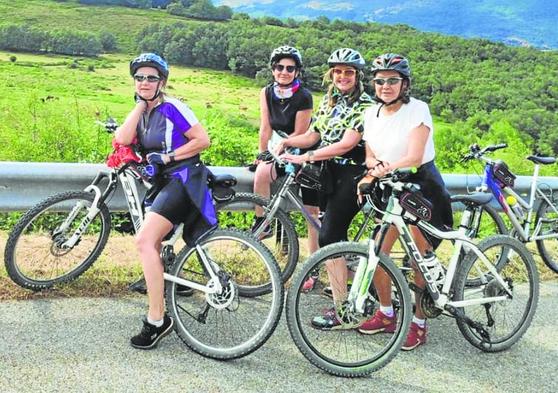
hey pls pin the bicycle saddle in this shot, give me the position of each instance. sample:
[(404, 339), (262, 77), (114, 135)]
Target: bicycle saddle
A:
[(476, 198), (542, 160)]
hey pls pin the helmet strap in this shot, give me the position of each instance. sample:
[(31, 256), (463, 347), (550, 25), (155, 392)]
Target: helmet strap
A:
[(156, 95)]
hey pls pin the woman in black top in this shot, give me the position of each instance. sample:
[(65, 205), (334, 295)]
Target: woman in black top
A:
[(285, 111)]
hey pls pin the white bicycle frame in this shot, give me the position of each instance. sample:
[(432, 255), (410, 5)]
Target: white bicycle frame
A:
[(394, 215), (128, 179), (535, 193)]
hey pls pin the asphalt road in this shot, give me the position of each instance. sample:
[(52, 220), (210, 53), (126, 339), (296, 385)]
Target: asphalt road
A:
[(81, 345)]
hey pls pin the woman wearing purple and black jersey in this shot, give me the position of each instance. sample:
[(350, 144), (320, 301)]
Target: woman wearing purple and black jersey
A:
[(171, 138)]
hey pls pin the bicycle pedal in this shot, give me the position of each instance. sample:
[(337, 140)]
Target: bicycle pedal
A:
[(138, 286), (124, 228)]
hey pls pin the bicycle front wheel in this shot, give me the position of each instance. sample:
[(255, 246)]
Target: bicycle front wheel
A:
[(548, 248), (226, 325), (38, 254), (342, 350), (497, 325), (281, 239)]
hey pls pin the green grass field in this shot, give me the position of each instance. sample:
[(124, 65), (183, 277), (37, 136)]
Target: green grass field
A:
[(49, 107)]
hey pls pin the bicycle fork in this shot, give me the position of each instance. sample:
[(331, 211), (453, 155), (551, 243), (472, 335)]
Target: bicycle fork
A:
[(92, 212)]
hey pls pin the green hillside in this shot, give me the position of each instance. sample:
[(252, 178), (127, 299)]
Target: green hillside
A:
[(479, 91), (124, 22)]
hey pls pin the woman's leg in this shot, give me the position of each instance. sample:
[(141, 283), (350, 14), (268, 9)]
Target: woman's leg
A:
[(382, 282), (423, 246), (341, 208), (312, 232), (148, 243), (264, 175)]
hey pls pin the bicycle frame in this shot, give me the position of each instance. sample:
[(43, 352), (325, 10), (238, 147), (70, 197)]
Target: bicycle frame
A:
[(127, 175), (498, 190), (397, 216), (285, 193)]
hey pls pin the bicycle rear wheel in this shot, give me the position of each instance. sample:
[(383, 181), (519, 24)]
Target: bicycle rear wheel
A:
[(227, 325), (548, 248), (485, 222), (37, 255), (504, 321), (344, 351), (282, 240)]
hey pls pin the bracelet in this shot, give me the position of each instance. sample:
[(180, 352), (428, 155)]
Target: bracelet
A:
[(310, 156)]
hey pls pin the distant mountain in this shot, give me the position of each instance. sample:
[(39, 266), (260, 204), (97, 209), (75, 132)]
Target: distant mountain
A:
[(517, 22)]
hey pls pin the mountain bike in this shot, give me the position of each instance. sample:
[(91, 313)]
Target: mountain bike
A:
[(492, 300), (498, 180), (237, 292), (283, 241)]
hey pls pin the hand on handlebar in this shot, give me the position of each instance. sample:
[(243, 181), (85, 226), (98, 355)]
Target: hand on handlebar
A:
[(380, 170), (157, 159), (363, 186), (293, 158)]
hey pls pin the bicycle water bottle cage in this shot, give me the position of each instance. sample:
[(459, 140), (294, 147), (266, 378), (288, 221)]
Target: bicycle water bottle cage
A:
[(416, 204), (502, 173)]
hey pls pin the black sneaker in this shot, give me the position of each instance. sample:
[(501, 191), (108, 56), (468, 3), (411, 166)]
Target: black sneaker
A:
[(267, 232), (151, 335)]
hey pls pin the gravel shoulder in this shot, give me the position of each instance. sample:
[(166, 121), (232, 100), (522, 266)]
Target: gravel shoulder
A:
[(81, 344)]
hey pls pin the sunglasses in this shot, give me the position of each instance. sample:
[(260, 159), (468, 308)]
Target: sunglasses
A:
[(149, 78), (389, 81), (280, 67), (348, 72)]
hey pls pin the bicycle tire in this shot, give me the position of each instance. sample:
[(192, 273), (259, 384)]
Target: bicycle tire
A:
[(227, 333), (473, 279), (285, 238), (22, 258), (320, 346), (546, 211), (493, 224)]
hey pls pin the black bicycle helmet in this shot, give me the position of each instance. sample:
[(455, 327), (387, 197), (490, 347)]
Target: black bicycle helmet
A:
[(150, 60), (391, 62), (346, 56), (286, 51)]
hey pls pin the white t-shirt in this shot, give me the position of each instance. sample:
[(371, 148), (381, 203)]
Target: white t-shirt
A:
[(388, 136)]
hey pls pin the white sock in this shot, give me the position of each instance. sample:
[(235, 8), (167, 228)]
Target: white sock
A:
[(387, 310), (420, 322), (155, 323)]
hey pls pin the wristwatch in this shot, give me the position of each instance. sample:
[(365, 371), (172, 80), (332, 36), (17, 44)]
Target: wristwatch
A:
[(172, 155), (310, 156)]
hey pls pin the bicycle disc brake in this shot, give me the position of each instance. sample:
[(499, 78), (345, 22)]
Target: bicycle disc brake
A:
[(227, 295)]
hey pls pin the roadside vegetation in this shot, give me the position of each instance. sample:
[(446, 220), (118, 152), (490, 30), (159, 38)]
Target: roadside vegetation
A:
[(65, 65)]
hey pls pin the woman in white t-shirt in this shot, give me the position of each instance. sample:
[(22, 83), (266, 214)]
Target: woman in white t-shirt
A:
[(398, 133)]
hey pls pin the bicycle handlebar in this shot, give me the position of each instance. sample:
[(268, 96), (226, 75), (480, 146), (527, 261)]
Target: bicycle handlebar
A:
[(109, 124), (475, 152), (391, 179), (289, 167)]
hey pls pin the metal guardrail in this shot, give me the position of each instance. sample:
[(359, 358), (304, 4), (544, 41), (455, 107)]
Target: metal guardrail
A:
[(23, 184)]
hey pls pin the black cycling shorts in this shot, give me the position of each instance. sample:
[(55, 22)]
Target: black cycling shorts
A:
[(171, 201)]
